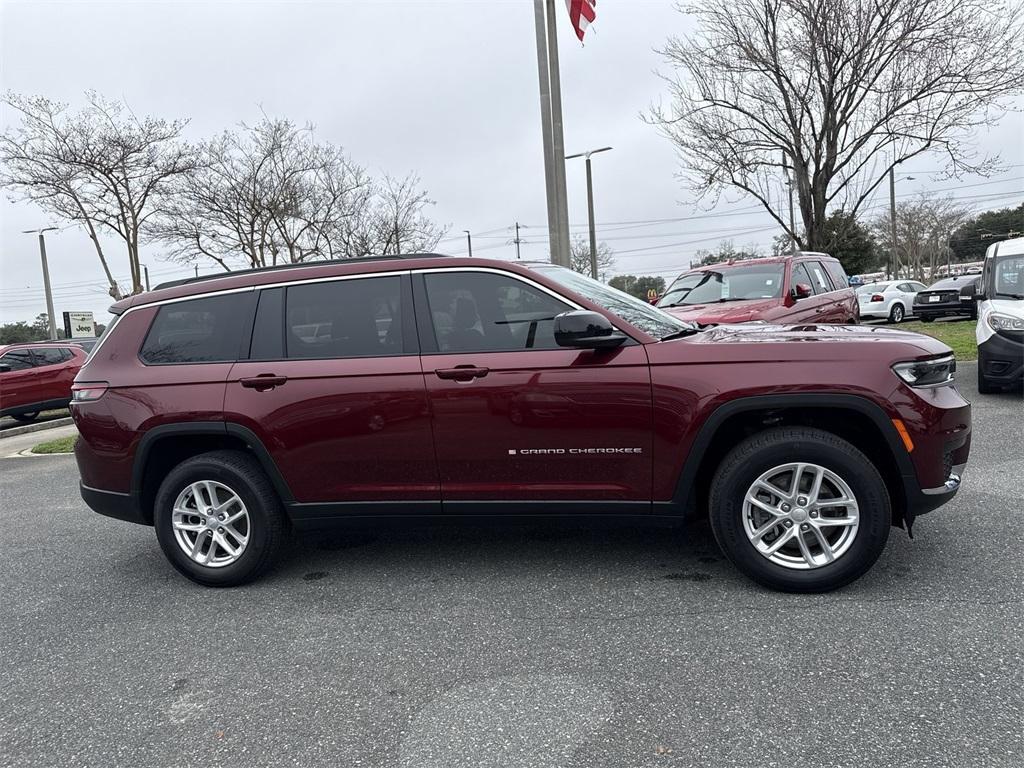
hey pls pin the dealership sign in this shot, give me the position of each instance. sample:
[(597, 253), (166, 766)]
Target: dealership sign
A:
[(79, 325)]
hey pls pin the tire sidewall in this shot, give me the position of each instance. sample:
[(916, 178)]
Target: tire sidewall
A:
[(177, 480), (730, 487)]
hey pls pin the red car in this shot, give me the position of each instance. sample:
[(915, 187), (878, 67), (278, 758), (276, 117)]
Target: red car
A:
[(225, 411), (37, 377), (802, 288)]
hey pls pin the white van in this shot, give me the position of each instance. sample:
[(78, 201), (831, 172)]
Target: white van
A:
[(1000, 329)]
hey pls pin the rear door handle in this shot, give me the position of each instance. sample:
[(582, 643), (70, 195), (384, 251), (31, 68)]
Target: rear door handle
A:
[(461, 373), (263, 381)]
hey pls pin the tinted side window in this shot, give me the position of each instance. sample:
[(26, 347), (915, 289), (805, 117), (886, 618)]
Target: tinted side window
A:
[(345, 318), (838, 274), (819, 281), (486, 312), (198, 330), (50, 356), (801, 275), (18, 359)]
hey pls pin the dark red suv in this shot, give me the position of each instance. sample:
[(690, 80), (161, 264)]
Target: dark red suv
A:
[(804, 287), (37, 377), (226, 411)]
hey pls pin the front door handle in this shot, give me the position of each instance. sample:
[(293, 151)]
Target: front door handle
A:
[(263, 382), (461, 373)]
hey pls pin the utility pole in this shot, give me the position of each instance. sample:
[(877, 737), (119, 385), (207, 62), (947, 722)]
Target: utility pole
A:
[(517, 240), (469, 242), (197, 270), (894, 259), (145, 268), (590, 207), (51, 322), (551, 124)]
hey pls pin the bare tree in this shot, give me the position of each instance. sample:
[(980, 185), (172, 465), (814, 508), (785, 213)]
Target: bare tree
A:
[(102, 168), (579, 252), (262, 195), (835, 93), (923, 229), (270, 193)]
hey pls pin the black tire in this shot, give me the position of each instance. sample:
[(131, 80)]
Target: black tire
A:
[(25, 418), (764, 451), (927, 319), (897, 313), (268, 526)]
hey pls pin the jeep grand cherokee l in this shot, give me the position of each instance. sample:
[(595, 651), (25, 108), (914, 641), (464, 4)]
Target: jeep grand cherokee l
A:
[(37, 377), (439, 385)]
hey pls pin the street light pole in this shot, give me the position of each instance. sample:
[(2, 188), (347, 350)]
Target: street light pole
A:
[(469, 242), (46, 279), (590, 207), (894, 260)]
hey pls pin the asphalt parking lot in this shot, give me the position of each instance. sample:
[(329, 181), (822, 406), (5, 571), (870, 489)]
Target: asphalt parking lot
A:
[(536, 647)]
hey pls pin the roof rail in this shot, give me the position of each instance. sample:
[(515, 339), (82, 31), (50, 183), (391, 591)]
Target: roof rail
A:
[(278, 267)]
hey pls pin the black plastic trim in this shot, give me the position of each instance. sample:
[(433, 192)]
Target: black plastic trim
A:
[(120, 506), (45, 405), (688, 475)]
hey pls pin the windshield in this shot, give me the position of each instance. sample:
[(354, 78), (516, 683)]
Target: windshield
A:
[(873, 288), (757, 281), (647, 318), (1009, 274)]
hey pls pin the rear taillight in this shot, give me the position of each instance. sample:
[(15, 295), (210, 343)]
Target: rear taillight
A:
[(878, 297), (88, 391)]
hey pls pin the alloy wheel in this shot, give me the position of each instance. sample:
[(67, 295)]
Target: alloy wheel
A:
[(800, 516), (211, 523)]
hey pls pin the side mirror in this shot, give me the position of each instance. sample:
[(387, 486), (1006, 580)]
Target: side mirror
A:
[(801, 291), (4, 368), (583, 329)]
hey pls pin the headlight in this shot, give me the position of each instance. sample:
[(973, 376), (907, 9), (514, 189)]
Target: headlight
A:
[(927, 373), (1000, 322)]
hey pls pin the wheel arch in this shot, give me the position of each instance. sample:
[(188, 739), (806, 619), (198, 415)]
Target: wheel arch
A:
[(164, 447), (870, 430)]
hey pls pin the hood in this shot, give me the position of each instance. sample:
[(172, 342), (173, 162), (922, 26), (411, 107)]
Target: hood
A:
[(818, 343), (1012, 307), (724, 311)]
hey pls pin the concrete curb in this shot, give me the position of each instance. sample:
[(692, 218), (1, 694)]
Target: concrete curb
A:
[(13, 431)]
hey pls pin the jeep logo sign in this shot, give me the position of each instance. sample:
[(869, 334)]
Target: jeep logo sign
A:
[(79, 325)]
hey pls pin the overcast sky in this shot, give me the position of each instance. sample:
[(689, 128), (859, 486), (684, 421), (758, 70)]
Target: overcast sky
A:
[(445, 89)]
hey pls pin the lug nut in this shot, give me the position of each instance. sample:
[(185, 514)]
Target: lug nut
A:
[(220, 530), (814, 514), (802, 500), (786, 507), (788, 523), (805, 527)]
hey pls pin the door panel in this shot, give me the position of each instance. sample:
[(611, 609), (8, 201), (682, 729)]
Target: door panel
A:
[(810, 309), (17, 386), (518, 418), (554, 424), (338, 399)]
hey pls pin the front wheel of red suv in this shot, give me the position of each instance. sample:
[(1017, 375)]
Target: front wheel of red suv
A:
[(218, 519), (800, 510)]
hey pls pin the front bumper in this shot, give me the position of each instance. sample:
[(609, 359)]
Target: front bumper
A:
[(1001, 361)]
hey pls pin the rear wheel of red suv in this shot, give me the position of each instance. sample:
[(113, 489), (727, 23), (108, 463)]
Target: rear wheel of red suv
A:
[(800, 510), (218, 519)]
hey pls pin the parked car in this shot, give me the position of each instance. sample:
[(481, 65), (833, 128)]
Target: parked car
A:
[(37, 377), (892, 300), (467, 386), (1000, 330), (801, 288), (86, 344), (949, 297)]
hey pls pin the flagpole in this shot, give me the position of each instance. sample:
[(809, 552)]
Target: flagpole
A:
[(558, 143), (545, 119)]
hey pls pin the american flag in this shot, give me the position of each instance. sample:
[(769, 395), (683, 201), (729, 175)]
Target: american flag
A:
[(581, 14)]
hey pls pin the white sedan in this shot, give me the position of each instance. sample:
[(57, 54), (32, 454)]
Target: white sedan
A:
[(892, 300)]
